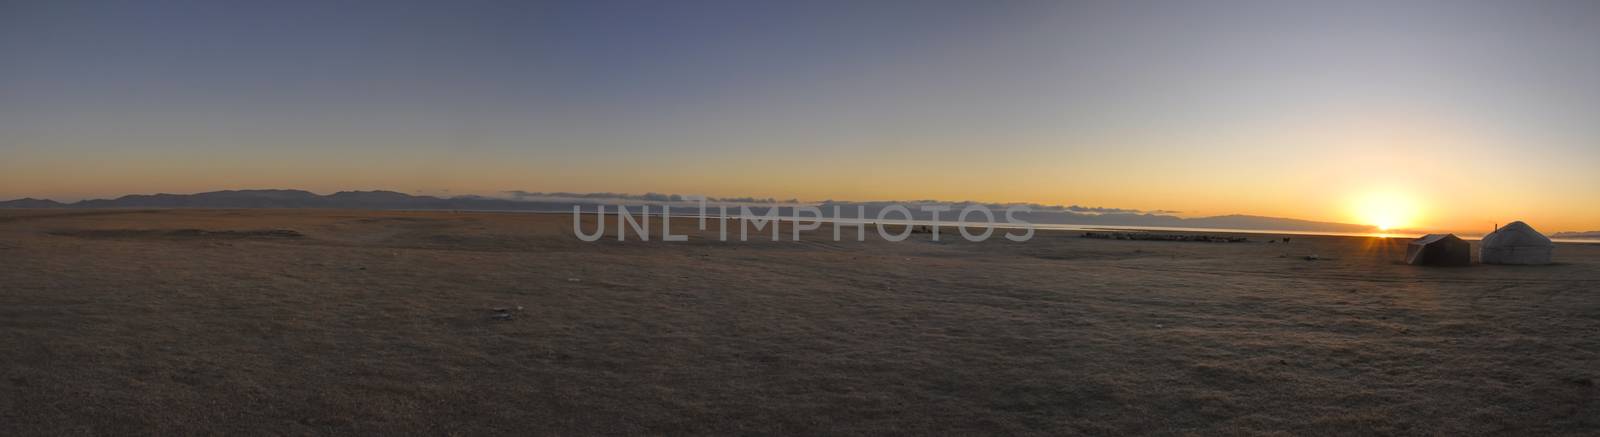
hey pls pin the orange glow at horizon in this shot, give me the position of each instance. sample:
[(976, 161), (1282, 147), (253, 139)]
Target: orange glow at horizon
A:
[(1386, 210)]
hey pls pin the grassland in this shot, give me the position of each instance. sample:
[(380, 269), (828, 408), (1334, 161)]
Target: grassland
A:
[(182, 322)]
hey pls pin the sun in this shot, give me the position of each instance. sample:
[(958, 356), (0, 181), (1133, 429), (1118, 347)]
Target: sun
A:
[(1386, 210)]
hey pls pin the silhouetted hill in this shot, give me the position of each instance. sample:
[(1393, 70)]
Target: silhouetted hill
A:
[(294, 199), (376, 197), (1585, 235), (213, 199), (30, 202)]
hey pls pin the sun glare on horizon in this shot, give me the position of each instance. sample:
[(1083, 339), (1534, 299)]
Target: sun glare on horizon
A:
[(1387, 210)]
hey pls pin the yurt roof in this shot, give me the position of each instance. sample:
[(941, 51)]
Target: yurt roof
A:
[(1516, 234)]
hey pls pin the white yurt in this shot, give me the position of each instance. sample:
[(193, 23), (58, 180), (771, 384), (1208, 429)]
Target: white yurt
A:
[(1516, 243)]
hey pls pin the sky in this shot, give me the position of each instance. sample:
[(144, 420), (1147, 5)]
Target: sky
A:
[(1436, 115)]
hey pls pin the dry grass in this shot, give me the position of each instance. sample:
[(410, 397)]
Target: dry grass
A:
[(380, 323)]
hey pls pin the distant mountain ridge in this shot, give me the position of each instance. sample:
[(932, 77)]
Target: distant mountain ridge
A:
[(1585, 234), (29, 202), (289, 199), (392, 200)]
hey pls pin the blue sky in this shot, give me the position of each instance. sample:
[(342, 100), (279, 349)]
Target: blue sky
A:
[(1477, 111)]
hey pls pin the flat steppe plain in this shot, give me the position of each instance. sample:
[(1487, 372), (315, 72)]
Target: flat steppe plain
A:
[(183, 322)]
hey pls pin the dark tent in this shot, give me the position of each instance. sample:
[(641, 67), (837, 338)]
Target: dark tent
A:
[(1439, 250)]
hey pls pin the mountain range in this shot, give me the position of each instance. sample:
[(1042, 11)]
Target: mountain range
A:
[(1590, 235), (396, 200), (292, 199)]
